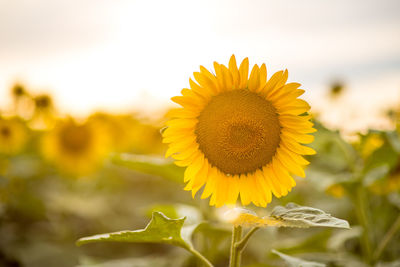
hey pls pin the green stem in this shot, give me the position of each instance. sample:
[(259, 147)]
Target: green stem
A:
[(201, 257), (388, 236), (235, 253), (363, 220), (242, 243)]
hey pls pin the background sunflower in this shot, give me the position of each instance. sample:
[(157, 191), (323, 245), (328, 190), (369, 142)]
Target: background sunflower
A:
[(76, 147), (13, 135)]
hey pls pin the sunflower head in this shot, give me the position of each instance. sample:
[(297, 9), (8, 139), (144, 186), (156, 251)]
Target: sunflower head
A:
[(18, 90), (43, 102), (240, 135), (13, 136), (76, 148)]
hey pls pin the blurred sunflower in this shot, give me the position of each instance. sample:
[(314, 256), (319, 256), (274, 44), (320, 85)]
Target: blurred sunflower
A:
[(13, 136), (75, 148), (128, 134), (240, 135), (44, 113), (389, 184)]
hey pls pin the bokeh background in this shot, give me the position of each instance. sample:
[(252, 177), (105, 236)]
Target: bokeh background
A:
[(84, 93)]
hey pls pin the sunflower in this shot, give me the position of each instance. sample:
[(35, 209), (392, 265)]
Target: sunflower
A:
[(239, 135), (13, 136), (75, 148)]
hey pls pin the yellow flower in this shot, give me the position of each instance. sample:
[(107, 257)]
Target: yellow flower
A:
[(372, 143), (336, 190), (13, 136), (76, 148), (128, 134), (240, 135), (388, 185)]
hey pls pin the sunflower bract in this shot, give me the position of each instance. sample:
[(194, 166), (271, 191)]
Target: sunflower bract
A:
[(240, 135)]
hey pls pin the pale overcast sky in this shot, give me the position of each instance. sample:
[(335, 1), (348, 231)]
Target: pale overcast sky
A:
[(128, 55)]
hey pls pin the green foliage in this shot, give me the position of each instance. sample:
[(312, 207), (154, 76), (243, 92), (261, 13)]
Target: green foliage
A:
[(161, 229), (293, 215), (296, 262), (150, 165)]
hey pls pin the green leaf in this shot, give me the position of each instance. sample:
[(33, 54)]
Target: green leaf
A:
[(157, 166), (296, 262), (293, 215), (175, 211), (160, 230)]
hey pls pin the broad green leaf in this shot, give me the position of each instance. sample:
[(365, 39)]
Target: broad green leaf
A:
[(175, 211), (160, 230), (292, 215), (150, 165), (296, 262), (148, 261)]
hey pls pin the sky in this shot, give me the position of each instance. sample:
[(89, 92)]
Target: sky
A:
[(120, 55)]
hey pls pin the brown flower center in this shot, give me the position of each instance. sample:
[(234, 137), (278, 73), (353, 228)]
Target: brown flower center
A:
[(238, 132), (75, 139), (5, 132)]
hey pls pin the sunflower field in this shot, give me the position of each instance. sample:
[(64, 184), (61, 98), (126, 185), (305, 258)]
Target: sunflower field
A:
[(241, 173)]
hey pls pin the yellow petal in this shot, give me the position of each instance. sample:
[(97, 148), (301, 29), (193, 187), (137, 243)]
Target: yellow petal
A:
[(257, 192), (188, 102), (201, 177), (222, 194), (228, 80), (270, 181), (245, 194), (189, 151), (182, 123), (283, 174), (206, 83), (235, 72), (194, 168), (289, 164), (244, 72), (283, 80), (233, 192), (301, 138), (296, 107), (296, 157), (263, 76), (287, 91), (210, 185), (280, 180), (254, 80), (269, 87), (297, 148), (261, 183), (204, 92)]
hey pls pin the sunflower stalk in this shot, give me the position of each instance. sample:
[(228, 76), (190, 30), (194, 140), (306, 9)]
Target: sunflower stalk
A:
[(361, 212), (238, 244), (387, 237), (235, 252), (241, 245)]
